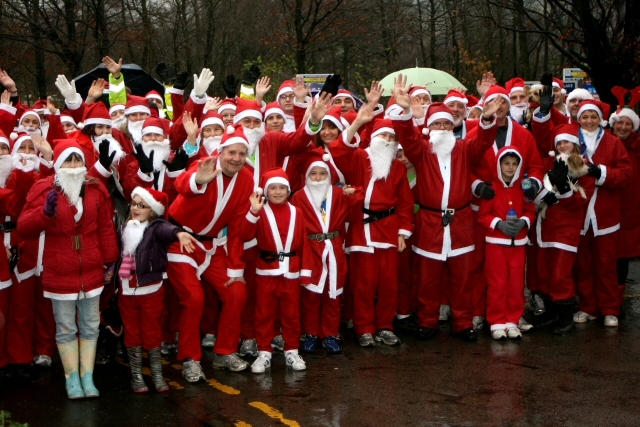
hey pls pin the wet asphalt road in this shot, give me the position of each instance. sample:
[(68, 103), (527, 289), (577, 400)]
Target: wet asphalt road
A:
[(591, 378)]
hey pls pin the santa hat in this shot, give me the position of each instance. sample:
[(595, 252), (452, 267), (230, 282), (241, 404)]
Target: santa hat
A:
[(233, 135), (29, 112), (455, 96), (152, 125), (628, 113), (438, 110), (65, 148), (40, 106), (316, 157), (343, 93), (21, 138), (516, 84), (247, 108), (96, 114), (65, 117), (154, 95), (382, 126), (565, 132), (474, 107), (393, 108), (227, 104), (495, 91), (273, 108), (348, 118), (334, 116), (210, 118), (559, 84), (580, 93), (137, 104), (626, 109), (593, 105), (273, 176), (116, 107), (419, 90), (473, 101), (4, 140), (285, 87), (156, 200)]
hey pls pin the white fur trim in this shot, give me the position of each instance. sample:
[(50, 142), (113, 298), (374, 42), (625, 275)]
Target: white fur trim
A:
[(516, 89), (441, 115), (137, 109), (152, 129), (98, 121), (212, 121), (588, 107), (449, 99), (579, 93), (277, 180), (226, 107), (155, 205), (382, 130), (495, 95), (65, 154), (231, 141), (566, 137), (247, 113), (274, 110), (117, 107), (335, 121), (628, 113)]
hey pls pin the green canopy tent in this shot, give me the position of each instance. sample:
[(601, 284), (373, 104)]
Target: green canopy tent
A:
[(438, 82)]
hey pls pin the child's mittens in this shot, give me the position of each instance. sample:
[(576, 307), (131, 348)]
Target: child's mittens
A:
[(126, 267), (51, 203)]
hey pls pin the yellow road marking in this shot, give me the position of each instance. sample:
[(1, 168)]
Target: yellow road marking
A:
[(223, 388), (242, 424), (274, 413)]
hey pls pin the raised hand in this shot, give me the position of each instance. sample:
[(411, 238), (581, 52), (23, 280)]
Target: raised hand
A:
[(332, 84), (51, 106), (300, 90), (230, 87), (257, 202), (250, 75), (212, 104), (546, 99), (190, 125), (165, 72), (68, 90), (114, 67), (365, 114), (401, 93), (417, 109), (373, 95), (491, 107), (106, 159), (179, 162), (7, 82), (145, 163), (201, 83), (181, 80), (96, 90), (207, 170), (43, 147), (262, 87), (546, 79), (319, 107), (483, 85), (5, 98)]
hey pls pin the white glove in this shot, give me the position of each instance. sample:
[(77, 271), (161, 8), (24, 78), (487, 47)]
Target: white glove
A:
[(201, 84), (68, 90)]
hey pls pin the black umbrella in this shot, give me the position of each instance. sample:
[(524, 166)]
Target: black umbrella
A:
[(135, 78)]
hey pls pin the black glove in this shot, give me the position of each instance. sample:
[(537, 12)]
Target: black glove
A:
[(595, 171), (550, 198), (166, 73), (531, 192), (332, 84), (484, 191), (106, 159), (546, 99), (251, 75), (511, 229), (518, 226), (145, 163), (181, 80), (558, 175), (230, 86), (179, 162), (546, 79)]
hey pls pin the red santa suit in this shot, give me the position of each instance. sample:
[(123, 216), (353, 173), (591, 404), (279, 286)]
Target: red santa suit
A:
[(372, 238), (505, 255), (442, 189), (218, 255), (595, 270), (629, 246)]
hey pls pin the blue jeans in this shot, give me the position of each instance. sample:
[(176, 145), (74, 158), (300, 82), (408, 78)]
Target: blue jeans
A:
[(88, 310)]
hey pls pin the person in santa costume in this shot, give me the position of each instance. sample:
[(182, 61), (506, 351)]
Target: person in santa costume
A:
[(228, 111), (284, 99), (507, 218), (70, 208), (611, 169), (557, 233), (279, 230), (324, 209), (145, 240), (444, 222), (518, 98), (457, 102), (345, 100), (223, 186)]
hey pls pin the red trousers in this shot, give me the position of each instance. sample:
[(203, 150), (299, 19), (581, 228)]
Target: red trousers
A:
[(504, 271), (188, 288), (347, 294), (320, 314), (4, 308), (273, 294), (532, 271), (170, 313), (250, 257), (210, 312), (555, 272), (407, 298), (21, 321), (596, 275), (374, 275), (428, 273), (141, 317), (478, 282), (45, 324)]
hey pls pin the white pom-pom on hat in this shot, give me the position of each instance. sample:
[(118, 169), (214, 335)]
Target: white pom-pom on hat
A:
[(13, 136), (259, 191), (80, 125), (425, 131), (326, 157), (230, 130)]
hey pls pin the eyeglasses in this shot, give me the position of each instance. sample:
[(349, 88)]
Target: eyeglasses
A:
[(287, 97), (139, 205)]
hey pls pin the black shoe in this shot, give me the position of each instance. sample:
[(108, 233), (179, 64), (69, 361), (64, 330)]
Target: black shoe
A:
[(424, 334), (564, 325), (468, 335), (408, 324)]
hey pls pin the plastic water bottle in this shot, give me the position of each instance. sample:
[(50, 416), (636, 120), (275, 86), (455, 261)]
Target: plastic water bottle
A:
[(526, 185), (512, 216)]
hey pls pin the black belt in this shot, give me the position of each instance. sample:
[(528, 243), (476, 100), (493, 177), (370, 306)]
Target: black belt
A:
[(7, 226), (447, 214), (376, 215), (324, 236), (268, 256), (198, 237)]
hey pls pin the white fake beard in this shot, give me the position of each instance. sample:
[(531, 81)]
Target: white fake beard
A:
[(381, 156), (135, 129), (318, 191), (442, 142), (114, 145), (30, 130), (211, 143), (6, 166), (458, 122), (517, 111), (161, 152), (71, 180), (132, 236), (44, 128), (254, 136), (119, 122), (31, 159)]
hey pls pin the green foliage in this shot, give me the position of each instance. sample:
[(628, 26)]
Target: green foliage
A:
[(6, 421)]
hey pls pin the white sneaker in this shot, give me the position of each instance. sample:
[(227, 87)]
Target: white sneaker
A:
[(45, 361), (478, 322), (262, 363), (294, 360), (499, 334), (524, 326), (610, 320), (582, 317), (209, 341), (514, 333), (445, 313)]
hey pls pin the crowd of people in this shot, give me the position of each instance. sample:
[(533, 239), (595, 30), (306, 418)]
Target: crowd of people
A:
[(246, 227)]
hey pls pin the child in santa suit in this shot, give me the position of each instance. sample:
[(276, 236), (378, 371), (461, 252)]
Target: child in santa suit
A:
[(506, 217), (278, 227), (324, 209), (145, 241)]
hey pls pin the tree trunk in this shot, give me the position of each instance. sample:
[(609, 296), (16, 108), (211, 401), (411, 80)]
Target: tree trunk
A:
[(423, 49)]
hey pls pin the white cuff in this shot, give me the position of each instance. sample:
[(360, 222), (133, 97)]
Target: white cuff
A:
[(401, 117), (356, 137), (526, 220), (174, 174), (565, 195), (494, 222), (405, 233), (46, 163), (420, 121), (231, 273), (75, 104), (300, 104), (378, 110), (474, 185), (9, 108), (143, 176), (197, 100), (540, 119), (603, 175), (252, 218), (101, 170), (308, 128), (175, 91), (489, 126), (194, 187)]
